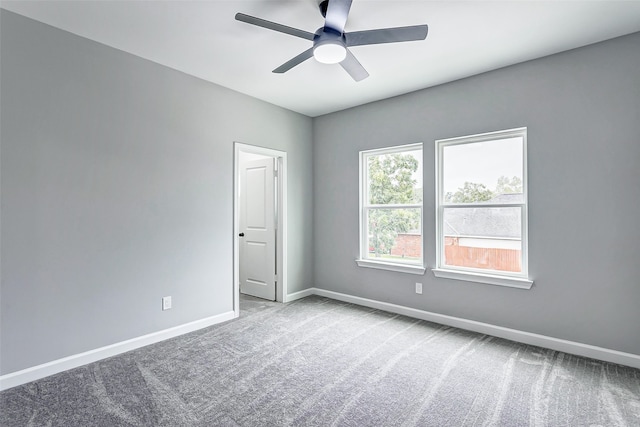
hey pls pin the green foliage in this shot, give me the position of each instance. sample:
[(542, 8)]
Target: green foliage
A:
[(391, 182), (509, 185), (471, 192), (390, 179), (385, 224)]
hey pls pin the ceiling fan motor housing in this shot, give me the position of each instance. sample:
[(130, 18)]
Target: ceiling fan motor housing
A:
[(329, 46)]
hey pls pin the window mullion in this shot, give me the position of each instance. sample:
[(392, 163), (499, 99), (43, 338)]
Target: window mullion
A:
[(408, 206), (482, 205)]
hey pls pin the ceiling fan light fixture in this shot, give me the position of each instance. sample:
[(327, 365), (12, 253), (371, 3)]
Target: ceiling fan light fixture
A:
[(330, 52)]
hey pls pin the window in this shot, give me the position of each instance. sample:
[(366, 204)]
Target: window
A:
[(391, 209), (481, 193)]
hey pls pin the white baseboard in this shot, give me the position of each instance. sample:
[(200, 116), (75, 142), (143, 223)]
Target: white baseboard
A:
[(571, 347), (37, 372), (40, 371), (300, 294)]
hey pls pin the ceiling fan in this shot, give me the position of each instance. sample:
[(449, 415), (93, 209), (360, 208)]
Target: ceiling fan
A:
[(331, 43)]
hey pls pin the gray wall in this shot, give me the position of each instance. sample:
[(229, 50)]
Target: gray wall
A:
[(582, 110), (117, 189)]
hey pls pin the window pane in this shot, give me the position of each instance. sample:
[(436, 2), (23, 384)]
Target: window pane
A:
[(395, 178), (487, 172), (485, 238), (394, 235)]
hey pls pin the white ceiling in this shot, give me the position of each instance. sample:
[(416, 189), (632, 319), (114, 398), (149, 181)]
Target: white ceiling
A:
[(203, 39)]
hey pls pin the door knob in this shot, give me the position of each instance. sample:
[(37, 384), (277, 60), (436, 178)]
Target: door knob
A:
[(241, 234)]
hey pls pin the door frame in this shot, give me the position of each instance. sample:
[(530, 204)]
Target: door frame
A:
[(281, 233)]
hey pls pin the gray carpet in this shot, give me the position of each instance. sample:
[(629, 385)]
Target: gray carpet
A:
[(319, 362)]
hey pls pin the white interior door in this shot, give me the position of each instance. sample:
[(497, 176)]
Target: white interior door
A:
[(258, 229)]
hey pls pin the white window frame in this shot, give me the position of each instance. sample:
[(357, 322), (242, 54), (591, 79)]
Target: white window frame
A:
[(363, 260), (511, 279)]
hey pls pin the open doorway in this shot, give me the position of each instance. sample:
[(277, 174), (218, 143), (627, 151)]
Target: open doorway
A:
[(260, 222)]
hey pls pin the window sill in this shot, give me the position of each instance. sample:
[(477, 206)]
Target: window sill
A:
[(401, 268), (512, 282)]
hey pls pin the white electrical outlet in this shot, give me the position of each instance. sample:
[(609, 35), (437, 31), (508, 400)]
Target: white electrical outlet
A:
[(418, 288), (166, 303)]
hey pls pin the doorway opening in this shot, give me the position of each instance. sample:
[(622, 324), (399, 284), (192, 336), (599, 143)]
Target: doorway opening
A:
[(259, 223)]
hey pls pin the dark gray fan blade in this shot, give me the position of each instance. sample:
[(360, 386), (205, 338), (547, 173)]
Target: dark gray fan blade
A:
[(353, 67), (387, 35), (337, 14), (294, 61), (274, 26)]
